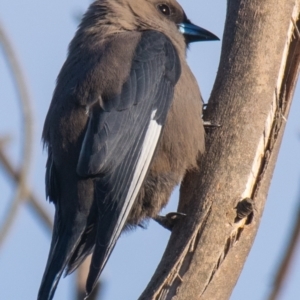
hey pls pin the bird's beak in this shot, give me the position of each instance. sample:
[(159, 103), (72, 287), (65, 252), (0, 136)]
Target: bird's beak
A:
[(193, 33)]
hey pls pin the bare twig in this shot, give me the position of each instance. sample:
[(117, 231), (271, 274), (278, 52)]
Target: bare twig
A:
[(32, 199), (25, 104), (27, 120), (287, 258)]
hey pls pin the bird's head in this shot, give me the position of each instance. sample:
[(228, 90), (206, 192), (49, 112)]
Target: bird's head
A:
[(166, 16)]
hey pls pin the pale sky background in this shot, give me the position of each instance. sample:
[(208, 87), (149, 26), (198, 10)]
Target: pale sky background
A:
[(40, 32)]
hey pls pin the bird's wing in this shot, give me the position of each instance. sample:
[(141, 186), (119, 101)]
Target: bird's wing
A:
[(121, 138)]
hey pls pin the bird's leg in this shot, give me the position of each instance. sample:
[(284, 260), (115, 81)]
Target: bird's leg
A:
[(168, 221), (208, 124)]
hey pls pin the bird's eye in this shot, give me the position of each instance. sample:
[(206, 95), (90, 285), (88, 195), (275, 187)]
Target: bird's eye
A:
[(164, 9)]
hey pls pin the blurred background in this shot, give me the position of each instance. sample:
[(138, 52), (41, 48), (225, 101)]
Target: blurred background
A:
[(39, 32)]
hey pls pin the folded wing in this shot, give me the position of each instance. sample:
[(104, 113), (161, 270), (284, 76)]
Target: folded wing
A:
[(120, 141)]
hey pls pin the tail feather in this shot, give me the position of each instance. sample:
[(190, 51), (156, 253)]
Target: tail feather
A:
[(108, 216), (106, 219), (87, 241), (84, 248), (101, 253), (61, 250)]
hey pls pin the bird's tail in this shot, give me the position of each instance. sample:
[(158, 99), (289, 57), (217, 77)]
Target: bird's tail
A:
[(61, 250), (112, 214), (104, 244)]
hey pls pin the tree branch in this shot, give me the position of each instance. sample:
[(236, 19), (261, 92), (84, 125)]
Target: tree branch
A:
[(251, 99)]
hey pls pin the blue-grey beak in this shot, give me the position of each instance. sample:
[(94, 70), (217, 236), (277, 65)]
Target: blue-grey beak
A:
[(193, 33)]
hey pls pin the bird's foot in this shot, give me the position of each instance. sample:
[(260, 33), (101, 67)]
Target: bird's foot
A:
[(245, 209), (168, 221)]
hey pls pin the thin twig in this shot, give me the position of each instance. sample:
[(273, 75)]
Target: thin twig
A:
[(32, 199), (25, 105), (283, 269)]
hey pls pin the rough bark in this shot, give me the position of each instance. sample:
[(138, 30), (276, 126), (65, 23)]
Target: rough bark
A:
[(251, 99)]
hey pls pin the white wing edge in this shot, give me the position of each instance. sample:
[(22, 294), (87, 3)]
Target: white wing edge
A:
[(148, 149)]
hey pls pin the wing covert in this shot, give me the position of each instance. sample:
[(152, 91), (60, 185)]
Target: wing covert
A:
[(111, 133)]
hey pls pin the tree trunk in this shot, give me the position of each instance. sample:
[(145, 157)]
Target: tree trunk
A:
[(224, 201)]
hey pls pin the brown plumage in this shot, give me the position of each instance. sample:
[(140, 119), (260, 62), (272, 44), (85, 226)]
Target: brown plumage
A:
[(123, 127)]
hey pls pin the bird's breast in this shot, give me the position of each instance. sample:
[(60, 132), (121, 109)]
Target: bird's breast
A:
[(183, 135)]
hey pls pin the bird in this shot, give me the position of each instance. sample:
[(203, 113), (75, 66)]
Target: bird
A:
[(123, 127)]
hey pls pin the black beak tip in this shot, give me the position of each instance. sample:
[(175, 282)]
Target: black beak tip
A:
[(193, 33), (213, 38), (208, 37)]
